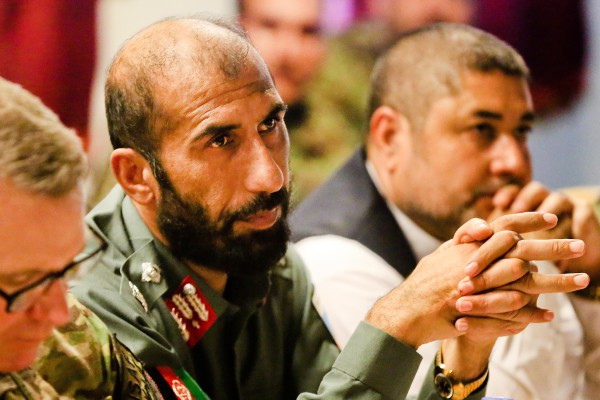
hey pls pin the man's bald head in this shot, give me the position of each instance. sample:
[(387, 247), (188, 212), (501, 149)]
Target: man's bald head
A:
[(153, 66), (428, 64)]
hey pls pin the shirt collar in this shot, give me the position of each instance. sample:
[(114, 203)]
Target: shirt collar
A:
[(420, 242)]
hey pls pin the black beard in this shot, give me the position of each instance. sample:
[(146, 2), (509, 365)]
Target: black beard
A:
[(193, 237)]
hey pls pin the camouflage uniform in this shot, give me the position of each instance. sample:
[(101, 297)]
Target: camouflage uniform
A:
[(80, 360), (336, 106), (25, 384)]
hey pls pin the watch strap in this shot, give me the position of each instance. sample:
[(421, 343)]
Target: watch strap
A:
[(450, 388)]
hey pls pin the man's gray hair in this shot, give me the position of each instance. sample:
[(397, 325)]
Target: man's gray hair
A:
[(428, 63), (37, 152)]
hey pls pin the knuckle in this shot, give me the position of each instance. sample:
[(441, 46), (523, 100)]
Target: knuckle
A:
[(517, 299), (516, 328), (518, 248), (508, 238), (543, 190), (482, 304), (482, 281), (585, 209), (501, 223), (562, 281), (562, 198), (476, 221), (519, 267), (558, 247), (528, 283)]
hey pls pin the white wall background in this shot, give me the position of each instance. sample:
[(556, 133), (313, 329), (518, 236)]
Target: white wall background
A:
[(117, 21), (566, 149)]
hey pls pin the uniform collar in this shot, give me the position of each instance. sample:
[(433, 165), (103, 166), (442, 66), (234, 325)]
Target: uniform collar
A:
[(127, 233)]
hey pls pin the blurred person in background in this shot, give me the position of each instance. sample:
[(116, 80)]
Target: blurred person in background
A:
[(288, 35), (337, 98)]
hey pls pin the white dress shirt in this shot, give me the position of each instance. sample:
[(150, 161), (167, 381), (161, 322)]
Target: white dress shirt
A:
[(545, 361)]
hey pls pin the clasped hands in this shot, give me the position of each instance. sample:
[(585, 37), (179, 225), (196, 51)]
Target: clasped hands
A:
[(479, 286), (576, 220)]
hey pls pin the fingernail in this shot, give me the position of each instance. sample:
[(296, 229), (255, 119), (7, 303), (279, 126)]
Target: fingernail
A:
[(581, 280), (465, 286), (548, 315), (464, 305), (550, 218), (577, 246), (471, 268), (461, 325), (483, 225)]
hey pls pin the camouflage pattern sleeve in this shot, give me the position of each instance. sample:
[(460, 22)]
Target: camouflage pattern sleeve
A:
[(83, 360), (25, 384), (133, 381)]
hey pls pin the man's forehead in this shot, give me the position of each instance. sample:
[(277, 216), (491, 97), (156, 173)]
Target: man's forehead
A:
[(192, 90), (170, 47), (295, 11)]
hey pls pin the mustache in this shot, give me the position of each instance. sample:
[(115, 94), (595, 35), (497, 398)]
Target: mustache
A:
[(491, 189), (262, 202)]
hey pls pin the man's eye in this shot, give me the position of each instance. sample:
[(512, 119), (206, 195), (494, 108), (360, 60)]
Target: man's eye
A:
[(268, 125), (522, 132), (312, 30), (220, 141), (487, 131)]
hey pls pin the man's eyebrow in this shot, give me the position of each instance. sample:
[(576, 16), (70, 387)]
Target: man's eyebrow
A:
[(528, 117), (277, 108), (215, 130), (486, 114)]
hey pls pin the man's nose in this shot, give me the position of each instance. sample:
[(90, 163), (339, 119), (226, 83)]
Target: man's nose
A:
[(264, 174), (510, 157)]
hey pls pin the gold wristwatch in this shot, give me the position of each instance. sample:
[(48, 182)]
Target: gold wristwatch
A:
[(450, 388), (591, 292)]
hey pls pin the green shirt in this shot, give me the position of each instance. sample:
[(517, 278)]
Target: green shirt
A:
[(266, 341)]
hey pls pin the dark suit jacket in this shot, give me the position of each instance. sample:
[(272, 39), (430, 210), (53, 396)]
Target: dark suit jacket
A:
[(349, 205)]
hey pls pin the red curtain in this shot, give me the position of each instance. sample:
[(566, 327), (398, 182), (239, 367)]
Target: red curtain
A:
[(48, 46), (551, 36)]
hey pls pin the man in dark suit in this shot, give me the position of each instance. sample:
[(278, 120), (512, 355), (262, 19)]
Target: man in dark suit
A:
[(450, 114)]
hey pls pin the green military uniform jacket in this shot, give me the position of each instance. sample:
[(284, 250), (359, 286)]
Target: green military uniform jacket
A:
[(262, 340), (80, 360)]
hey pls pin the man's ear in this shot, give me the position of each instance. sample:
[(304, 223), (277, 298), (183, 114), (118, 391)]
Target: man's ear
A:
[(134, 174), (389, 131)]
